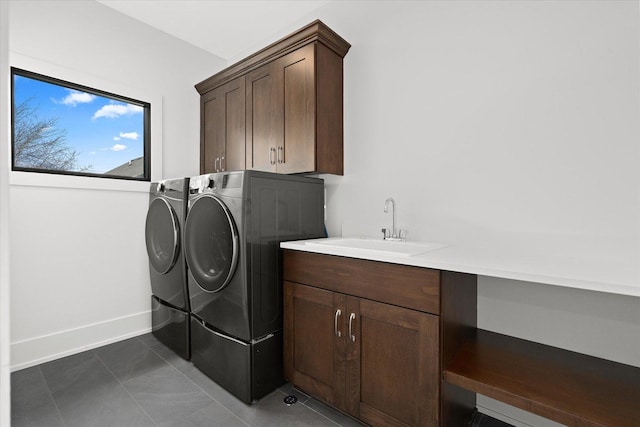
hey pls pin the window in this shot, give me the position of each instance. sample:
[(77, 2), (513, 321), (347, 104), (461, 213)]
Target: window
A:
[(64, 128)]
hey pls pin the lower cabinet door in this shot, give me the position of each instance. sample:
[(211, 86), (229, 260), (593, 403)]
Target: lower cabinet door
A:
[(377, 362), (396, 381), (315, 342)]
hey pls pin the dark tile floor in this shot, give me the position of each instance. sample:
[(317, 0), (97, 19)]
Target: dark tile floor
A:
[(140, 382)]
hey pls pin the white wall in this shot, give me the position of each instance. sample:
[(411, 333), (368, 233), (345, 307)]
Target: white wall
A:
[(79, 270), (507, 122), (5, 380), (501, 124)]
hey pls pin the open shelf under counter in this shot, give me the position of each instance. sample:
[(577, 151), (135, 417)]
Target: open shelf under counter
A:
[(571, 388)]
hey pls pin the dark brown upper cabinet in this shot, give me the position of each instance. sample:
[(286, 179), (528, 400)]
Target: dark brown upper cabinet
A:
[(281, 107)]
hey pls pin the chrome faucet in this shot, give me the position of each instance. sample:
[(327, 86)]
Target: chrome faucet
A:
[(393, 233), (393, 215)]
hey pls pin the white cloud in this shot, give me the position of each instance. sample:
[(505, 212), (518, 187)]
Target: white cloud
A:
[(129, 135), (113, 111), (116, 138), (118, 147), (76, 97)]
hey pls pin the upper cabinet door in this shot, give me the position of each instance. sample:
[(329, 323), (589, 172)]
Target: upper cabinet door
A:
[(223, 128), (234, 125), (211, 145), (296, 87), (264, 119)]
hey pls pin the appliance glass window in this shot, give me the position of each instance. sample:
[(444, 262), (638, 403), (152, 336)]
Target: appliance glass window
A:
[(211, 243), (162, 233)]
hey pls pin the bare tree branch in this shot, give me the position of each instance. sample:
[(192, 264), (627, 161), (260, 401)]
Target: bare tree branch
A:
[(38, 143)]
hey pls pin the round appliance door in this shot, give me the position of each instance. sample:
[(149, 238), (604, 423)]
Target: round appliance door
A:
[(211, 243), (162, 235)]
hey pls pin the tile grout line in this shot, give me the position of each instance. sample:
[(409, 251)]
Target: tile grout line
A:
[(53, 399), (125, 388), (194, 383)]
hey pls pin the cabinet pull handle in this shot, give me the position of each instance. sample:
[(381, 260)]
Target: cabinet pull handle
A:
[(272, 152), (280, 157), (335, 323), (352, 317), (222, 163), (215, 165)]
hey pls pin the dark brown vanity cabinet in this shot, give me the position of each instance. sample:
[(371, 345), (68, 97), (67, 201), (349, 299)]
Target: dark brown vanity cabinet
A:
[(365, 336), (292, 106)]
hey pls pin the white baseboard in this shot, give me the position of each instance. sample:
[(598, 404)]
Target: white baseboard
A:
[(34, 351)]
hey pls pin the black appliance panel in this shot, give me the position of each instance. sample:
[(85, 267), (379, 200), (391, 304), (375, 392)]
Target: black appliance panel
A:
[(280, 209), (171, 327), (249, 371)]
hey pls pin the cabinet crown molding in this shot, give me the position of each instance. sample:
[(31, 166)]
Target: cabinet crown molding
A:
[(316, 31)]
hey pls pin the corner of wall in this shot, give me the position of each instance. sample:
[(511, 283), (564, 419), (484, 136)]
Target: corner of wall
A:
[(5, 379)]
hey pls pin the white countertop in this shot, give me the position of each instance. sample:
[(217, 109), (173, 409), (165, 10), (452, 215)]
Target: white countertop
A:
[(604, 275)]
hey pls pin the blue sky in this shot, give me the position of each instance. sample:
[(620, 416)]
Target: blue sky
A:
[(104, 132)]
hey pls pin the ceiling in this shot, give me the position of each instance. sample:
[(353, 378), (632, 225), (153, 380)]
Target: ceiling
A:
[(226, 28)]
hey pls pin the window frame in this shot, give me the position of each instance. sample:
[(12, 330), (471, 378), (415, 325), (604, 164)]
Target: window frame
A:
[(147, 129)]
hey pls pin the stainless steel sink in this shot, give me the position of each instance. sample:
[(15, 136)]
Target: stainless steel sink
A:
[(377, 246)]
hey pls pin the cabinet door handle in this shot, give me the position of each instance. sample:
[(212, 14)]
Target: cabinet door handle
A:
[(335, 323), (280, 154), (272, 152), (215, 165), (222, 163), (352, 317)]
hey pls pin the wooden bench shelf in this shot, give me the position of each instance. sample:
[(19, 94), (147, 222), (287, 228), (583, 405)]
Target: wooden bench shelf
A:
[(571, 388)]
